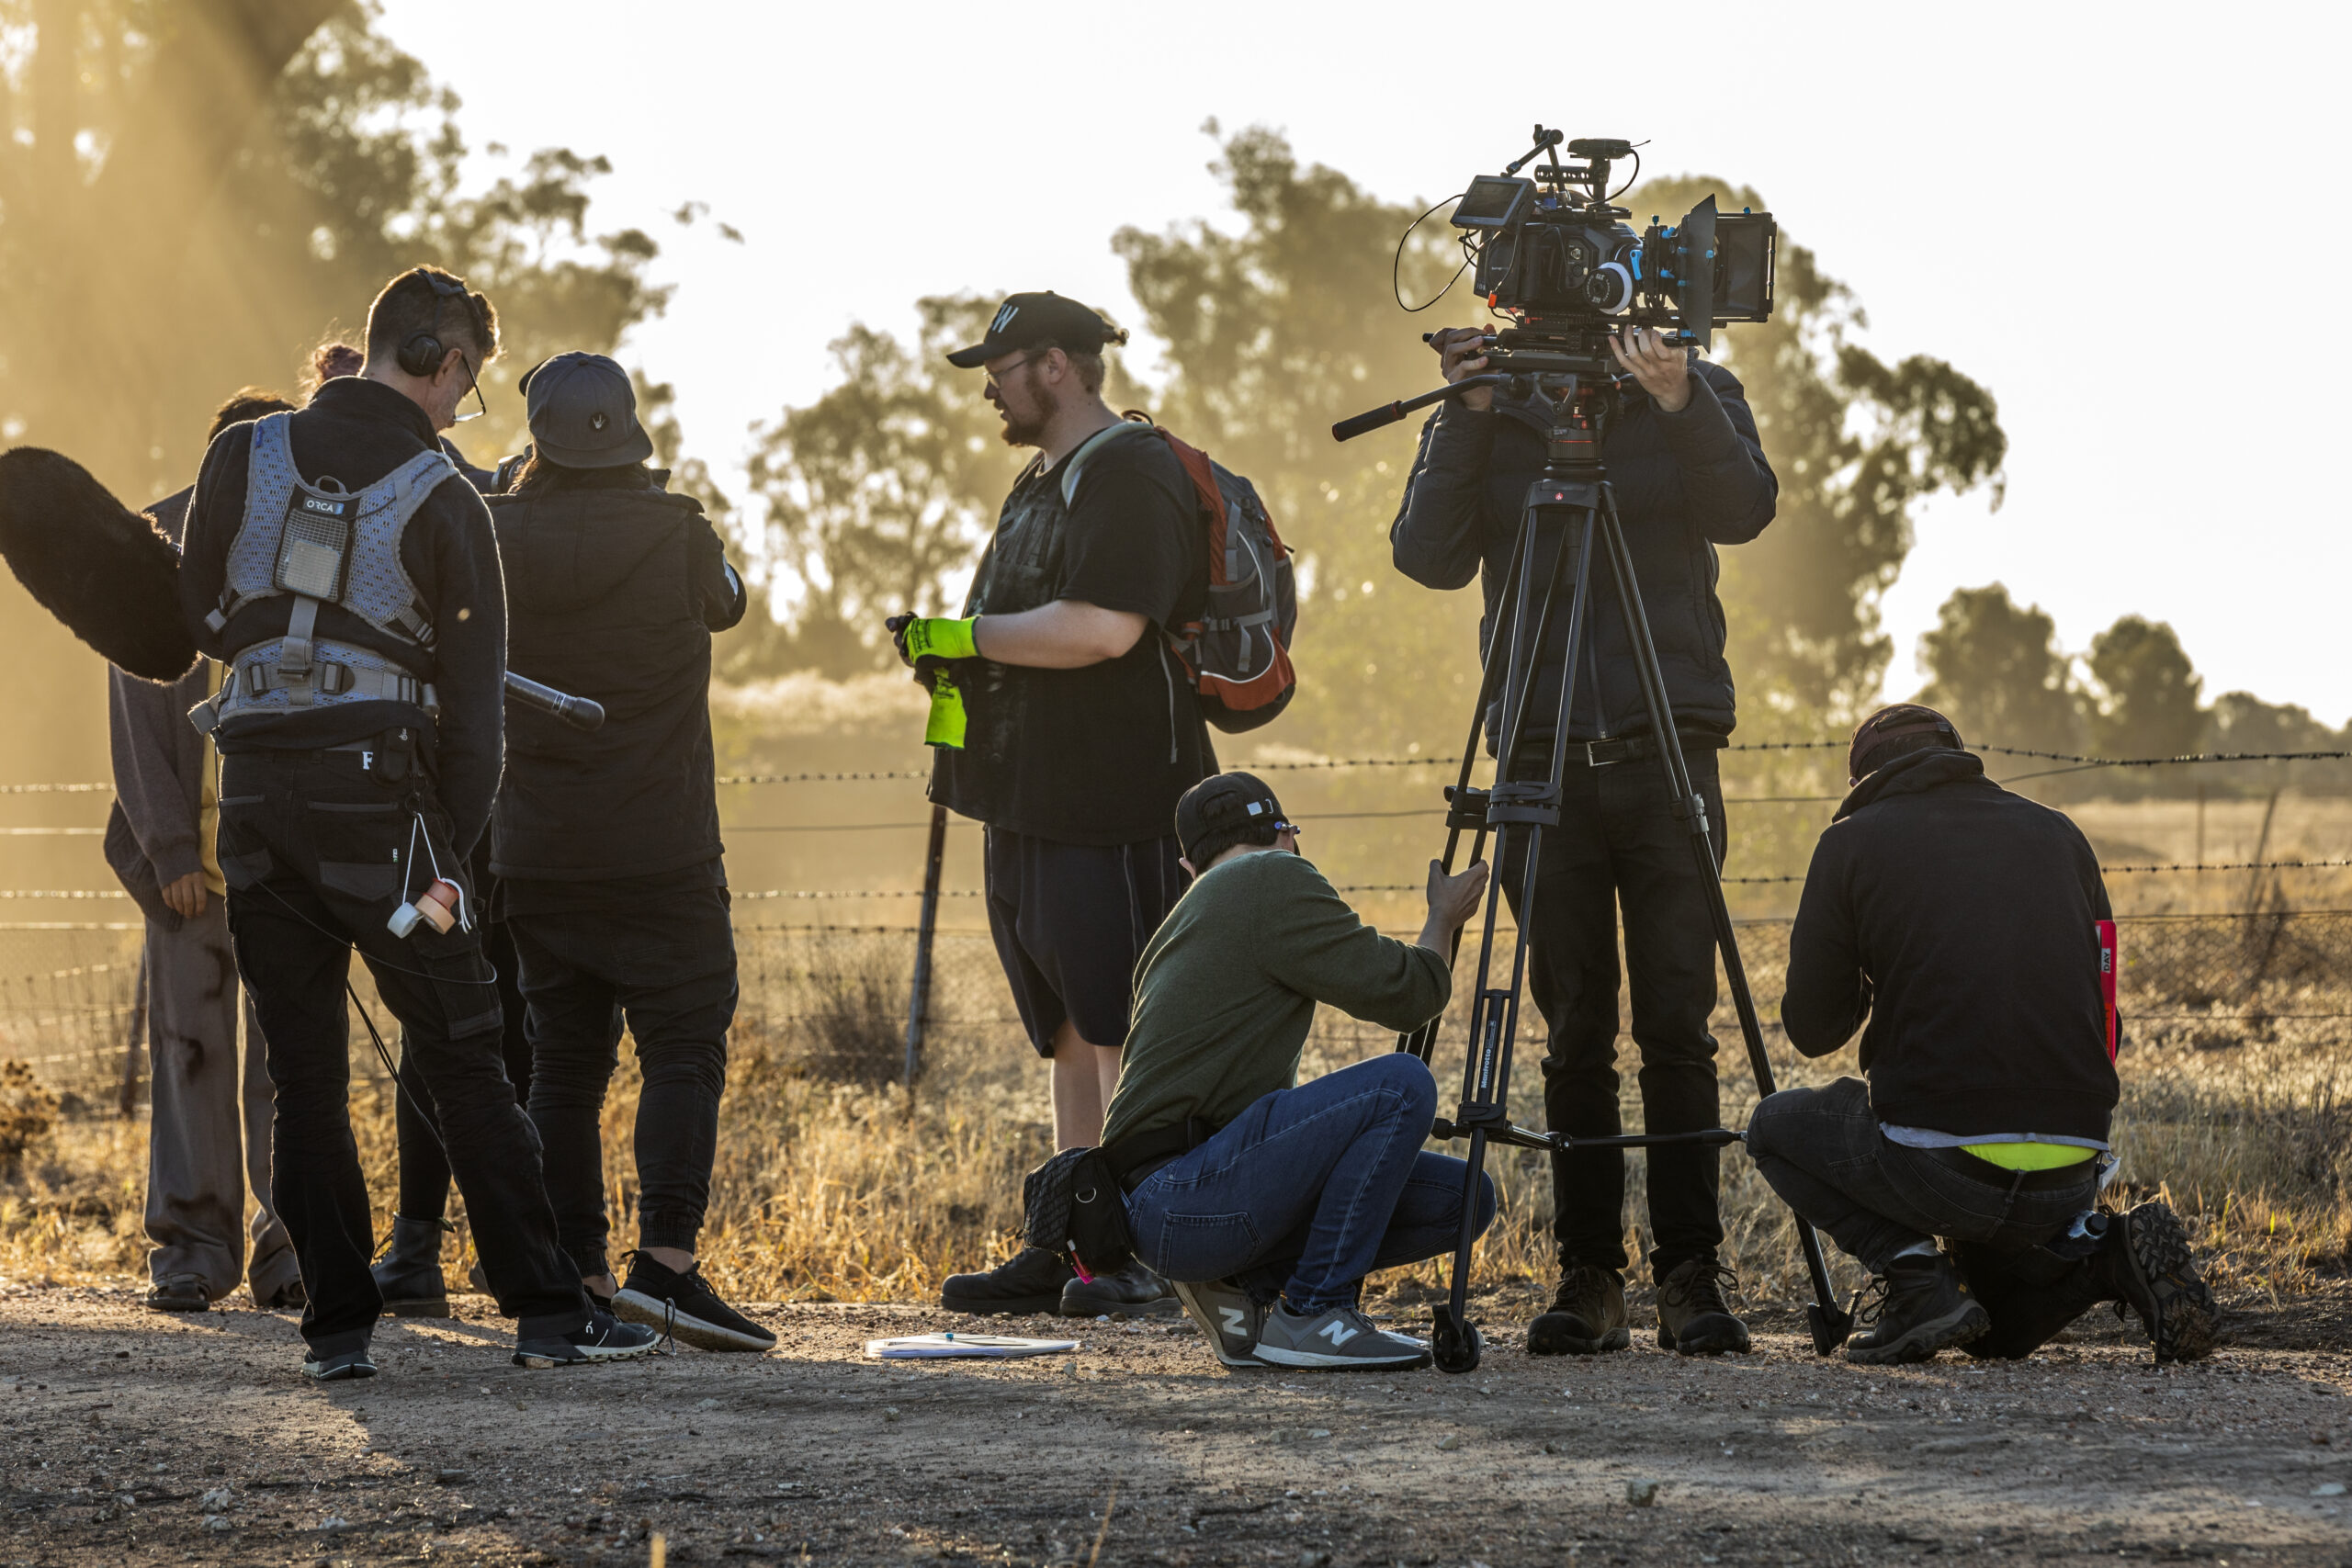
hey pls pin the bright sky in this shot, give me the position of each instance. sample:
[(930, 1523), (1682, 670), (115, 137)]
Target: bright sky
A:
[(2073, 203)]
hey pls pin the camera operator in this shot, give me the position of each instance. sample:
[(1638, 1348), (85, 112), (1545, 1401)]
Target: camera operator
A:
[(1269, 1199), (1081, 732), (1689, 474), (1964, 922), (607, 846), (354, 591)]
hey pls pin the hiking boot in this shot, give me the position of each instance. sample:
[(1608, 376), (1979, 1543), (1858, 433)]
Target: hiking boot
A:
[(409, 1274), (341, 1366), (178, 1292), (684, 1308), (1340, 1339), (1587, 1315), (1227, 1314), (1921, 1308), (1030, 1282), (1693, 1316), (1133, 1291), (606, 1338), (2152, 1273)]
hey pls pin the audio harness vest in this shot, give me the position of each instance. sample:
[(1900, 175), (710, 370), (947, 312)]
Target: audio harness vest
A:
[(324, 545)]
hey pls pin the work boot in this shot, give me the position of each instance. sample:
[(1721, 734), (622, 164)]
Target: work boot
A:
[(1229, 1316), (1339, 1339), (1030, 1282), (1587, 1315), (2152, 1273), (1134, 1290), (1922, 1307), (409, 1274), (1693, 1316), (684, 1308), (2033, 1293), (178, 1292)]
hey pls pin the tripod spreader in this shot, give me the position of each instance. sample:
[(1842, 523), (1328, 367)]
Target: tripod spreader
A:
[(1527, 1138)]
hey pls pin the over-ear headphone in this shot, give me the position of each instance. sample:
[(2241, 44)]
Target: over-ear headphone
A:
[(421, 354)]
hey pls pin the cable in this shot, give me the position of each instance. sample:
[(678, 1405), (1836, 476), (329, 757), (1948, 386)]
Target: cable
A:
[(1396, 262), (1631, 180), (384, 1055)]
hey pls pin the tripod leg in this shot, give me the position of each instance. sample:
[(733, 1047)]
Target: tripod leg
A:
[(1494, 1019), (1422, 1042), (1830, 1324)]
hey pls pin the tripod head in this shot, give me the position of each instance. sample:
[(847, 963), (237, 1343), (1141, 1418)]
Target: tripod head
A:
[(1575, 368)]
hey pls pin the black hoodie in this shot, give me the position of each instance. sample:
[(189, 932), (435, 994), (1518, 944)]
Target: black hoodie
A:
[(613, 589), (1961, 919)]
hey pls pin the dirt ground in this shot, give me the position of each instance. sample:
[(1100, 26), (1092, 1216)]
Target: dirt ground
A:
[(135, 1437)]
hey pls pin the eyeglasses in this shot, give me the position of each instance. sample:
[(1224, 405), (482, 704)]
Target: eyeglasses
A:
[(473, 385), (991, 383)]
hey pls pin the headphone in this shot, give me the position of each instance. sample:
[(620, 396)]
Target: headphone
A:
[(421, 354)]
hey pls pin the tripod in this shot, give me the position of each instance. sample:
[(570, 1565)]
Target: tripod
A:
[(1571, 503)]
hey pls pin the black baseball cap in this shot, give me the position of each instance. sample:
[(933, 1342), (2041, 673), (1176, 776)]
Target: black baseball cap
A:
[(1893, 724), (584, 413), (1222, 802), (1024, 320)]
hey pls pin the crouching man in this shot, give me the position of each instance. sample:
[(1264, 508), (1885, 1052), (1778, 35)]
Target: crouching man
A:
[(1264, 1205), (1967, 924)]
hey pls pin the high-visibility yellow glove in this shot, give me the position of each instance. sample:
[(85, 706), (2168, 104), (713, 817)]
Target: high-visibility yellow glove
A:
[(936, 636), (945, 725)]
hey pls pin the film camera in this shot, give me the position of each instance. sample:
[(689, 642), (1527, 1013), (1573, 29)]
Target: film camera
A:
[(1551, 252)]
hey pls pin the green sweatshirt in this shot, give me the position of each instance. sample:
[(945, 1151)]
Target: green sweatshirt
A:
[(1228, 987)]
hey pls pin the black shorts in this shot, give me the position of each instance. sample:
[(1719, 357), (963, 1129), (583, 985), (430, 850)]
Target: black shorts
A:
[(1071, 921)]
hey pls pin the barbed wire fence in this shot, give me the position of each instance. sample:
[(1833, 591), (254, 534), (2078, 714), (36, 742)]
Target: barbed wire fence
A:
[(71, 989)]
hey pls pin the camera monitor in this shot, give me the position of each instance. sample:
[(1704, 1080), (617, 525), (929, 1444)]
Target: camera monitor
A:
[(1492, 202)]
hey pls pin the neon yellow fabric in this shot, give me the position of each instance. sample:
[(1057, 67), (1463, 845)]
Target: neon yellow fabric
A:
[(945, 725), (2030, 1157), (936, 636)]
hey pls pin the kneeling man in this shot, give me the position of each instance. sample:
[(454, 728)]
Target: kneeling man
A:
[(1972, 928), (1264, 1205)]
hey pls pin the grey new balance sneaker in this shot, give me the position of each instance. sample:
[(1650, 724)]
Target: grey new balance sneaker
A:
[(1342, 1339), (1227, 1315)]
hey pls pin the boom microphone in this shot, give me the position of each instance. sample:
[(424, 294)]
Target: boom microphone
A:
[(580, 713)]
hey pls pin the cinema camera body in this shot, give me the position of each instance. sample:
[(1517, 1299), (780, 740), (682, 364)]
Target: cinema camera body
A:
[(1548, 251)]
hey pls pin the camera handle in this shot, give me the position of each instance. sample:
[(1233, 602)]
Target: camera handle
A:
[(1573, 502)]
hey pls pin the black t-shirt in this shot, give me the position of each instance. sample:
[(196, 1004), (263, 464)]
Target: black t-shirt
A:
[(1096, 755)]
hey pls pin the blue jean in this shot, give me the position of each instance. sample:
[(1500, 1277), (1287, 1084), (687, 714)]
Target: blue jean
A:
[(1310, 1189)]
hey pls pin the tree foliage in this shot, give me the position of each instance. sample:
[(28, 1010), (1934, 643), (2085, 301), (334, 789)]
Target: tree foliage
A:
[(1997, 671), (195, 192), (2146, 692)]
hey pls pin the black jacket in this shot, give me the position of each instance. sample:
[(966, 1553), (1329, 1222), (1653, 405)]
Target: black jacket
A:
[(1961, 919), (613, 589), (359, 431), (1685, 482)]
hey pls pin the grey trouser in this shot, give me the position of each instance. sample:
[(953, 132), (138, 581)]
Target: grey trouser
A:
[(209, 1134), (1822, 1151)]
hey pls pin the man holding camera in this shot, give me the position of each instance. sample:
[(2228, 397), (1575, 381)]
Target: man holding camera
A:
[(1271, 1200), (1079, 732), (1970, 927), (1689, 474), (348, 577)]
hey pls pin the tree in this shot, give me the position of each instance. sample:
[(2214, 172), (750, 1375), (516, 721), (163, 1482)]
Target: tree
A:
[(2146, 695), (875, 495), (1996, 670), (1856, 443), (192, 192)]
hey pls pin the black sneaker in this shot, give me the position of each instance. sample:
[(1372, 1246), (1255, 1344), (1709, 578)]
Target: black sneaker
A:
[(1133, 1291), (605, 1340), (1031, 1282), (684, 1308), (1693, 1316), (1587, 1315), (2155, 1275), (1921, 1307), (341, 1367)]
